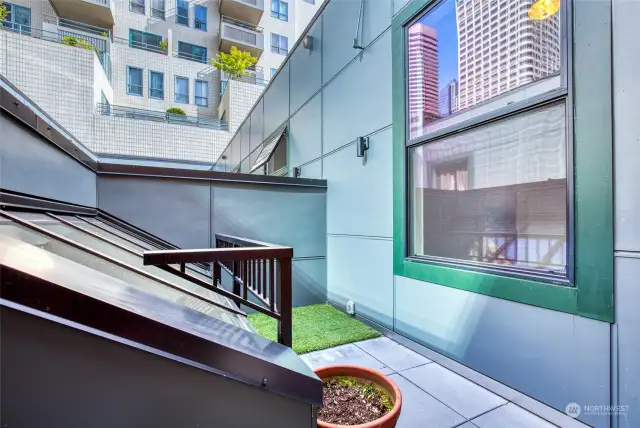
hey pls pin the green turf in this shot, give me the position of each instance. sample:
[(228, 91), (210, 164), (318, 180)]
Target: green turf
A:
[(316, 327)]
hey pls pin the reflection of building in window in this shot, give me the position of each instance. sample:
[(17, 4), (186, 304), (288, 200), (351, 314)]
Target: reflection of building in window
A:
[(501, 48), (423, 75), (448, 100)]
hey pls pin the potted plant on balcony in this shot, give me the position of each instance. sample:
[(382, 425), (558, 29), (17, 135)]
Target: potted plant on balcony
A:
[(235, 63), (3, 13), (164, 45), (358, 397)]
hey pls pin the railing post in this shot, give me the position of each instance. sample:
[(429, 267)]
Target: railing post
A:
[(216, 272), (284, 302)]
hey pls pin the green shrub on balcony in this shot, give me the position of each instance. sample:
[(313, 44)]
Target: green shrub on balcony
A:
[(3, 12), (235, 63), (73, 41), (176, 110)]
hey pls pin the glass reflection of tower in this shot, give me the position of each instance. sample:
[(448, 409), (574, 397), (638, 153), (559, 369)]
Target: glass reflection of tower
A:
[(423, 75), (501, 48)]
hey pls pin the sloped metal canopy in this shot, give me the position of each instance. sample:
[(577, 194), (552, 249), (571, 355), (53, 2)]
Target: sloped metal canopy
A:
[(269, 149)]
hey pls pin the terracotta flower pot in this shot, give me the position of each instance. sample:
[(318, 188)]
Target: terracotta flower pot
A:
[(375, 377)]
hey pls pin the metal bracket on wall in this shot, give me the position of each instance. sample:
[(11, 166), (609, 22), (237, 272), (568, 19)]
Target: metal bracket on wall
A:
[(356, 39), (297, 171)]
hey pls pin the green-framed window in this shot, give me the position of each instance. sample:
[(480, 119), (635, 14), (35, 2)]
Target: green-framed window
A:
[(501, 187)]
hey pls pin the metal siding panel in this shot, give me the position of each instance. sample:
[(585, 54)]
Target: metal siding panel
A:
[(358, 101), (339, 23), (360, 196), (276, 101), (554, 357), (306, 68), (293, 217), (174, 210), (33, 166), (257, 116), (376, 18), (309, 282), (305, 133), (361, 269)]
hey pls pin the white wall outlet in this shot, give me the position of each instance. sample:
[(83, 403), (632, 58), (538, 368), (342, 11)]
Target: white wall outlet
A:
[(351, 307)]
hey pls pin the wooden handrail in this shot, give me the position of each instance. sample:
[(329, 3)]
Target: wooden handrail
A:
[(255, 267)]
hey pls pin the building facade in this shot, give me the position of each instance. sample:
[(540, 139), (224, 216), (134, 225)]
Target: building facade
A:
[(423, 75), (152, 55)]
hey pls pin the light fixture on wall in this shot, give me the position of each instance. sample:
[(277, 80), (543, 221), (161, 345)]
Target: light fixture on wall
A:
[(307, 42), (362, 144), (543, 9), (297, 171)]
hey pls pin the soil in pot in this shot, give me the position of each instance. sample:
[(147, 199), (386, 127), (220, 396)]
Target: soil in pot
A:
[(349, 401)]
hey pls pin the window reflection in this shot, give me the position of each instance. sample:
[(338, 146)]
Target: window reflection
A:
[(464, 52), (496, 194)]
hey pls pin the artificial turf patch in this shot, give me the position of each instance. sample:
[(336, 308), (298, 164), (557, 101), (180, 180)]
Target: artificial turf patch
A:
[(316, 327)]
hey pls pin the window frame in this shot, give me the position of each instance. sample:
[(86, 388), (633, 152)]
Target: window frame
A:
[(144, 45), (129, 68), (195, 92), (137, 3), (589, 154), (163, 10), (175, 93), (151, 89), (279, 14), (196, 21), (278, 49), (13, 25), (191, 57), (178, 16)]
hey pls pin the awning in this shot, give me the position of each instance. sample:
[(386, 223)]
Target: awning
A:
[(269, 149)]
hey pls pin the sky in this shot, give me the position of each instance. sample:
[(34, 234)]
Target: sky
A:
[(443, 19)]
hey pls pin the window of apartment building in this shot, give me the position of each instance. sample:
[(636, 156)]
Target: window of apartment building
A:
[(279, 44), (280, 10), (192, 52), (182, 12), (134, 81), (157, 9), (485, 174), (202, 93), (136, 6), (145, 41), (156, 85), (200, 18), (18, 18), (182, 90)]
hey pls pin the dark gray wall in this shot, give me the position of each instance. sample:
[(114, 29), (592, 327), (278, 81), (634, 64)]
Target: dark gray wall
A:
[(188, 213), (172, 209), (30, 164), (57, 376)]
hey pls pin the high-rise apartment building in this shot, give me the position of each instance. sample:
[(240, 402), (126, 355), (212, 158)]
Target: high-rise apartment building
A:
[(500, 48), (143, 58), (423, 75), (448, 100)]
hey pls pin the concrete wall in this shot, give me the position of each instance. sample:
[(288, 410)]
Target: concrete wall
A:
[(77, 379), (31, 165), (335, 94), (626, 60), (188, 213)]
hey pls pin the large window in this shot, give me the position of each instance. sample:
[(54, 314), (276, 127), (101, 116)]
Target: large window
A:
[(494, 195), (280, 10), (134, 81), (157, 9), (202, 93), (182, 90), (279, 44), (182, 12), (146, 41), (192, 52), (156, 85), (462, 54), (200, 18), (136, 6), (18, 18)]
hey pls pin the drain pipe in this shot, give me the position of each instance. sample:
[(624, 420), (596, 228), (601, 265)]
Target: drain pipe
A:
[(356, 43)]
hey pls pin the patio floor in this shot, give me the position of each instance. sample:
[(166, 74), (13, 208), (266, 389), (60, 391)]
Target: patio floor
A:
[(432, 396)]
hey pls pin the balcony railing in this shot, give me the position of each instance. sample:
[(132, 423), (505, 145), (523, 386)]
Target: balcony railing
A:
[(246, 79), (190, 57), (242, 24), (159, 116), (262, 269), (62, 37), (79, 26), (150, 47)]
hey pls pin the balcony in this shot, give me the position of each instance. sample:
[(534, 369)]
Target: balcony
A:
[(249, 11), (244, 36), (92, 12), (159, 116)]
